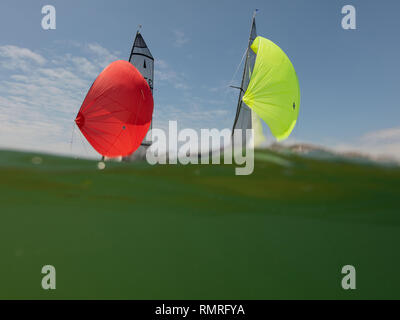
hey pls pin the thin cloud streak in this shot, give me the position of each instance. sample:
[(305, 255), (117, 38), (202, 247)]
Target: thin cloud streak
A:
[(180, 38), (40, 96)]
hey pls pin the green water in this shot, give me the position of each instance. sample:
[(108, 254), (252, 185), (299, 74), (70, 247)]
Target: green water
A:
[(135, 231)]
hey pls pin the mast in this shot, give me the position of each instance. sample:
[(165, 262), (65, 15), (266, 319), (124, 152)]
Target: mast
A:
[(143, 60), (243, 118)]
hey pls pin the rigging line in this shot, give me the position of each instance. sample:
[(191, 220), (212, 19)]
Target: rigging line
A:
[(72, 137), (234, 74), (84, 147), (238, 67), (244, 73)]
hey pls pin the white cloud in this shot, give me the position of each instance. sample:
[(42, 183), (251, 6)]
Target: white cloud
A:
[(40, 96), (193, 116), (38, 102), (165, 74), (17, 53), (385, 135), (87, 67), (16, 58), (102, 56), (379, 144), (180, 38)]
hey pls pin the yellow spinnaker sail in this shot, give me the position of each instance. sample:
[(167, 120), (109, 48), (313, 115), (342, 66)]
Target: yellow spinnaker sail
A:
[(273, 92)]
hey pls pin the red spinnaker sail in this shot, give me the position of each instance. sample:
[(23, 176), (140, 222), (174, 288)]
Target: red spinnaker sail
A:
[(116, 113)]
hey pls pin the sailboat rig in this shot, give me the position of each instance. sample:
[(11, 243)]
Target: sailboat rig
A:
[(116, 115), (143, 60), (244, 115)]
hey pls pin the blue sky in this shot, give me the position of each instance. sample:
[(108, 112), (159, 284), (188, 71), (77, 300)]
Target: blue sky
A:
[(349, 79)]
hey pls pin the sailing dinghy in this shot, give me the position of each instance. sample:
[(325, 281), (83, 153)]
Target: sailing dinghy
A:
[(142, 59), (269, 91), (116, 115)]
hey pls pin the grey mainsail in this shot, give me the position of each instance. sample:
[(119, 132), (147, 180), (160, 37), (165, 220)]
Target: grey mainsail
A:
[(143, 60), (243, 118)]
